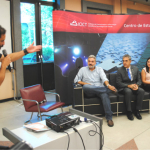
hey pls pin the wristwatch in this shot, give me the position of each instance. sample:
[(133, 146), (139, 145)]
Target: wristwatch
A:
[(25, 51), (108, 85)]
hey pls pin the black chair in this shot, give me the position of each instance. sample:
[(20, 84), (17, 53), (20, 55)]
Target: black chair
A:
[(94, 105)]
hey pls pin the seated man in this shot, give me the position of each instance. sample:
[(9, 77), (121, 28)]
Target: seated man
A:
[(128, 82), (93, 79)]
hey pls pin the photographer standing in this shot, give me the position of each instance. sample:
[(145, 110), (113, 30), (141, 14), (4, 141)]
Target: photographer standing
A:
[(5, 61)]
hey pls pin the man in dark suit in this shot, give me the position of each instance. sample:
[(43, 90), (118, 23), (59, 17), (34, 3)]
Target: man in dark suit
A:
[(128, 82)]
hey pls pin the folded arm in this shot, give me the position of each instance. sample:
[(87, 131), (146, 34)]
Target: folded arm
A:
[(112, 88), (82, 83), (139, 82), (119, 81)]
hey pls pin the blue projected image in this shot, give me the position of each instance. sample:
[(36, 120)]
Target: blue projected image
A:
[(76, 51), (64, 67), (117, 45), (108, 49), (74, 59), (56, 50)]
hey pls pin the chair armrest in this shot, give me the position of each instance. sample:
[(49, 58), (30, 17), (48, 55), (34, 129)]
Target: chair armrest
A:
[(30, 100), (77, 87), (54, 94), (34, 102), (77, 96)]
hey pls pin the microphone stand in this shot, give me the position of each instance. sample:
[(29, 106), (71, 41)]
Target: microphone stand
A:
[(13, 84), (41, 60)]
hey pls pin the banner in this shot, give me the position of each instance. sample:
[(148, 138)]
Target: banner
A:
[(91, 23), (108, 37)]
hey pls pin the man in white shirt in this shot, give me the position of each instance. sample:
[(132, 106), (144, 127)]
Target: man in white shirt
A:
[(95, 82), (128, 82)]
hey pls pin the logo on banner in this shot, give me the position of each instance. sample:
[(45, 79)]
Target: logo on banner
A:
[(75, 23)]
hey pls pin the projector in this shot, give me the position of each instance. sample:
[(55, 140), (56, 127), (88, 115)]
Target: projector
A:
[(62, 121)]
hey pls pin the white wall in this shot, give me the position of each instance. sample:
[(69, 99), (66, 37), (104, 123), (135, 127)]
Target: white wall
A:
[(5, 22), (6, 89)]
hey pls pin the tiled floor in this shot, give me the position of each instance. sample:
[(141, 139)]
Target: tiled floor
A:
[(124, 135), (125, 131)]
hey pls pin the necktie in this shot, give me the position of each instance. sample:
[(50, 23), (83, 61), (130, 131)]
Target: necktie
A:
[(129, 75)]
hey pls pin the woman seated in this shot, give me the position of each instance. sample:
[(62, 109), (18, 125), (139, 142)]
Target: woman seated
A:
[(145, 75)]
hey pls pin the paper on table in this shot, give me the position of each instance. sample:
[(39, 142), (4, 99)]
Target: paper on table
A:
[(37, 127)]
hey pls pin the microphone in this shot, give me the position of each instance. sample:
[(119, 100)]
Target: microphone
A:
[(5, 54)]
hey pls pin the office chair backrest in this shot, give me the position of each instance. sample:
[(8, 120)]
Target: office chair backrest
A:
[(34, 92)]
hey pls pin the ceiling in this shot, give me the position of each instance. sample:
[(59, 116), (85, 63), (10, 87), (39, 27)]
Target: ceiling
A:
[(142, 1)]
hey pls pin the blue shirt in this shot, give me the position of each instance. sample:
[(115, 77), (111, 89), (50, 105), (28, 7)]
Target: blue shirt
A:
[(96, 77)]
